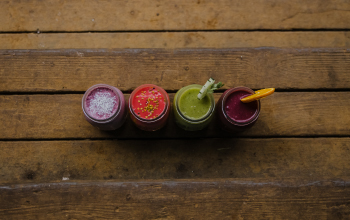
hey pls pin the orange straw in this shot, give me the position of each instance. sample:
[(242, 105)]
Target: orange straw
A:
[(258, 95)]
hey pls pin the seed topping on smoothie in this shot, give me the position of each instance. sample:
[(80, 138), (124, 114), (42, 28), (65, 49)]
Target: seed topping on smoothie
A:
[(148, 103)]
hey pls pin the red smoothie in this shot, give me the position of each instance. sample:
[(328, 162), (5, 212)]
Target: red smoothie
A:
[(237, 110), (149, 107), (102, 103), (148, 103)]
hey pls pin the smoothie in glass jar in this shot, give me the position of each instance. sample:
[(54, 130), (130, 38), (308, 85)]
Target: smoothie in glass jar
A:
[(104, 107), (149, 107), (235, 115), (191, 113)]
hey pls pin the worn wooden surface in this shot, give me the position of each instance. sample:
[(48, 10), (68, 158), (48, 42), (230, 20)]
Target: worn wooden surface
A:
[(112, 15), (298, 158), (294, 160), (210, 199), (77, 70), (170, 40), (293, 164)]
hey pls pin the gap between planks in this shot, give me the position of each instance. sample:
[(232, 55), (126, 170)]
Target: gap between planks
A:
[(128, 92), (180, 31), (236, 136)]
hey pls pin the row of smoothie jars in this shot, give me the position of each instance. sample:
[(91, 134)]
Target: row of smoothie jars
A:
[(105, 107)]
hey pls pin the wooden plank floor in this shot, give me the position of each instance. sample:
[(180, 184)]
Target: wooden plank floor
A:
[(112, 15), (293, 164), (77, 70), (171, 40), (186, 199), (309, 159)]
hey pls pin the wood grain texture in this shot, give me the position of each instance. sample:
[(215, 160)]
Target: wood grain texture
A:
[(170, 40), (51, 161), (77, 70), (121, 15), (282, 114), (185, 199)]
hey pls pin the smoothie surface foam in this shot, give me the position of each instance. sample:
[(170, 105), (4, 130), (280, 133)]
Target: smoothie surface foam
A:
[(102, 103)]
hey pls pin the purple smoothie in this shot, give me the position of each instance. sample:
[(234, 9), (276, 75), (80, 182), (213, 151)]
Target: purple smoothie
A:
[(237, 110), (102, 103)]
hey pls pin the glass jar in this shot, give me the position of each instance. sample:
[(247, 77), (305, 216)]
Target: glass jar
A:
[(234, 115), (104, 107), (149, 107), (190, 113)]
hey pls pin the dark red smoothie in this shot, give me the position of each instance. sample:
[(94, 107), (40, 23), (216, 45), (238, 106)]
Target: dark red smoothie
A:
[(234, 115), (237, 110)]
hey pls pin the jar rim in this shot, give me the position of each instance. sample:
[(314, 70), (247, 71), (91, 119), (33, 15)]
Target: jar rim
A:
[(229, 119), (206, 116), (87, 93), (161, 115)]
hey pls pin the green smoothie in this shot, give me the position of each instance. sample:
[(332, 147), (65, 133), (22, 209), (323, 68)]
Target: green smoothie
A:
[(190, 113), (191, 107)]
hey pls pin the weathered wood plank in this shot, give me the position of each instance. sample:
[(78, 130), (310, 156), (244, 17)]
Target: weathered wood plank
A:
[(185, 199), (77, 70), (112, 15), (170, 40), (283, 114), (48, 161)]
